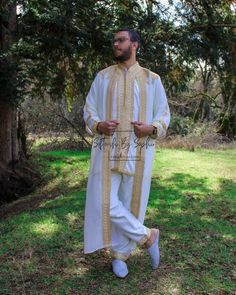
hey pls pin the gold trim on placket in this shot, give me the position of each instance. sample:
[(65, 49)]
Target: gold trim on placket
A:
[(125, 109), (139, 165), (106, 169)]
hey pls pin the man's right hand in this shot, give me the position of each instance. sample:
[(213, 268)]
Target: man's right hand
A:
[(107, 127)]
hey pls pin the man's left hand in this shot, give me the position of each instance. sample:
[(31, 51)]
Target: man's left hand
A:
[(141, 129)]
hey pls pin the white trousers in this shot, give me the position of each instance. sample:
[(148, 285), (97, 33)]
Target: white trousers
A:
[(126, 229)]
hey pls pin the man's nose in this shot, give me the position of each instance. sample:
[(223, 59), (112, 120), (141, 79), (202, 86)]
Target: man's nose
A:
[(115, 43)]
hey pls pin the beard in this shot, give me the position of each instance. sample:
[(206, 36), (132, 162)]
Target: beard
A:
[(124, 56)]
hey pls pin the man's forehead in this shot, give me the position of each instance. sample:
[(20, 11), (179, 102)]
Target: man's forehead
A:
[(122, 34)]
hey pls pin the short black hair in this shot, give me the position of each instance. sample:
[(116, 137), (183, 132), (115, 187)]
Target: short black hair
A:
[(134, 36)]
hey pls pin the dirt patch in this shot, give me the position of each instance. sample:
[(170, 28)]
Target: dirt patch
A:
[(17, 182), (22, 205)]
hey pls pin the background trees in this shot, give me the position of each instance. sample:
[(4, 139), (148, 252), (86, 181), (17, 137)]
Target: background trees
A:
[(210, 41), (53, 49)]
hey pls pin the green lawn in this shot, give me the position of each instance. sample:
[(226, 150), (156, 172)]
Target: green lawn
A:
[(192, 201)]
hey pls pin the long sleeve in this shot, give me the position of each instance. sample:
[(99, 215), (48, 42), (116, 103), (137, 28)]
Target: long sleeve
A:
[(161, 111), (91, 117)]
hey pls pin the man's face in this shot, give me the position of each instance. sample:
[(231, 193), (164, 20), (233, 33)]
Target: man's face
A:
[(122, 46)]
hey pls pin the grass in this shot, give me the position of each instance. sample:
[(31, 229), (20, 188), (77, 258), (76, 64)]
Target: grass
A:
[(192, 201)]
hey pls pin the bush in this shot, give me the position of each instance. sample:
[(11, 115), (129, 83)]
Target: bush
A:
[(202, 135), (180, 125)]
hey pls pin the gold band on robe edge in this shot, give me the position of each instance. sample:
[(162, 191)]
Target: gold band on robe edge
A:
[(139, 165), (125, 107), (120, 256), (125, 256), (106, 169)]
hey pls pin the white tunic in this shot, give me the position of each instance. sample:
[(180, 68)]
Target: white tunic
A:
[(136, 94)]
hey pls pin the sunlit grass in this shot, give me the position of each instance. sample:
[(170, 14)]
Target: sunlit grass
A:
[(46, 228), (192, 201)]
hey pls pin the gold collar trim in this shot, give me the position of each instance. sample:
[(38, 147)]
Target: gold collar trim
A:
[(133, 70)]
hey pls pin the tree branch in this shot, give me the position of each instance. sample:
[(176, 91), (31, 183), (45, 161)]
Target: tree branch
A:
[(207, 96), (213, 25)]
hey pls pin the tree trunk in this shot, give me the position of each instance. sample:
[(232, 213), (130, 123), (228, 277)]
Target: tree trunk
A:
[(227, 122), (8, 134), (16, 178), (9, 147)]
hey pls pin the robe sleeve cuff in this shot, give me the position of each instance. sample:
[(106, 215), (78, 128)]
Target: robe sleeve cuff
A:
[(154, 135), (94, 128), (161, 129)]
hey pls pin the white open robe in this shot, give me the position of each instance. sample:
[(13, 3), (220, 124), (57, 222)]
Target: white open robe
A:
[(136, 94)]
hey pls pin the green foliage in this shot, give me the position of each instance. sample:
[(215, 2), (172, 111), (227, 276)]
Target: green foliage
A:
[(181, 125), (209, 36), (59, 46), (62, 44)]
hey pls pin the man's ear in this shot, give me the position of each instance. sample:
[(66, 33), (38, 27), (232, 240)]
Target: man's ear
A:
[(135, 45)]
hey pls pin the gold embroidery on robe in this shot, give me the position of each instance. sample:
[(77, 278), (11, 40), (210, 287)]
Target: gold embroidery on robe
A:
[(139, 167), (106, 171), (125, 109)]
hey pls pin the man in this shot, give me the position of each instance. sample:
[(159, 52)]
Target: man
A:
[(126, 109)]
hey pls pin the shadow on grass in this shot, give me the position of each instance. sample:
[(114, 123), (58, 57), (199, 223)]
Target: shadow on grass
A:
[(44, 248), (61, 172)]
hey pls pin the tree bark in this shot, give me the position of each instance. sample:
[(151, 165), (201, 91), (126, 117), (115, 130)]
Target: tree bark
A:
[(8, 152), (9, 147), (227, 122), (15, 180)]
